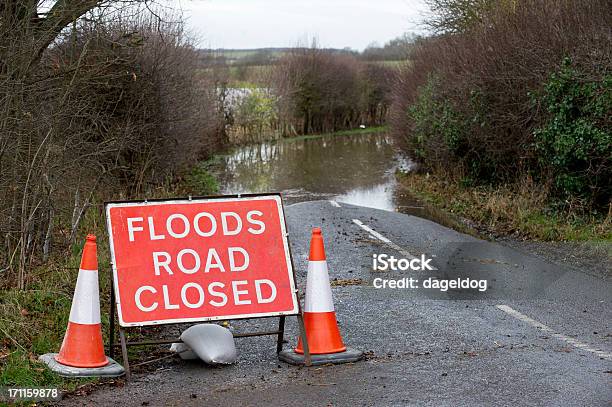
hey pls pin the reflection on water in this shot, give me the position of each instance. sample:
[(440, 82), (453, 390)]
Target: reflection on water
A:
[(352, 169), (379, 196)]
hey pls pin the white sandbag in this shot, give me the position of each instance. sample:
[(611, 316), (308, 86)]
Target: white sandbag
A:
[(183, 350), (212, 343)]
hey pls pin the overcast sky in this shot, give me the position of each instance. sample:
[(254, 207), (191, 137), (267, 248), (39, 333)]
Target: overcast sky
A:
[(282, 23)]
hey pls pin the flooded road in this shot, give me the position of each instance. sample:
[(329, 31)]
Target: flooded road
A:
[(357, 169), (418, 344)]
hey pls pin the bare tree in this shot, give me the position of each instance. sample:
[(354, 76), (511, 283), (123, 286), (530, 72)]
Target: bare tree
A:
[(26, 31), (470, 102), (320, 91), (112, 109), (453, 16)]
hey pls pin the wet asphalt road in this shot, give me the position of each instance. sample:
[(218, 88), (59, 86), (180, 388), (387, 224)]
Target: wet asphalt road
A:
[(540, 336)]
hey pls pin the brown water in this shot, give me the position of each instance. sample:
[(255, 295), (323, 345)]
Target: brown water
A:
[(357, 169)]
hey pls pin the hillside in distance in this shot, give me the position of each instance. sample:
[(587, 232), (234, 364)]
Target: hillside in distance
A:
[(257, 56)]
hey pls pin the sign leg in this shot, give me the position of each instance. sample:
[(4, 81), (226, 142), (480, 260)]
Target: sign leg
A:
[(281, 333), (111, 319), (124, 354), (307, 358)]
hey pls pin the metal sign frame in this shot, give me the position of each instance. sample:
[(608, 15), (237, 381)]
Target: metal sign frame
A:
[(124, 343)]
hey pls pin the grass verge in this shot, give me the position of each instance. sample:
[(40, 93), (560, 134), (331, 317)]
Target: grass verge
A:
[(352, 132), (33, 321), (201, 181), (521, 210)]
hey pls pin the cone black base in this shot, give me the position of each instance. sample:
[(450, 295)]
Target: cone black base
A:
[(348, 356), (112, 369)]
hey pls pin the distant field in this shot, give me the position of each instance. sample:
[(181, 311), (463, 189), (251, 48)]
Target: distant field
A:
[(242, 53), (397, 65), (242, 56), (246, 76), (235, 55), (243, 76), (392, 64), (251, 69)]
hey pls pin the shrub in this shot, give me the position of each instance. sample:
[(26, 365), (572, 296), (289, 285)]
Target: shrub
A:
[(377, 82), (255, 117), (112, 110), (437, 127), (575, 142), (478, 118), (322, 92), (440, 134), (201, 181)]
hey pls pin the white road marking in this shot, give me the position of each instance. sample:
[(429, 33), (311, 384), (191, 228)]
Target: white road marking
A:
[(574, 342), (383, 239), (334, 203)]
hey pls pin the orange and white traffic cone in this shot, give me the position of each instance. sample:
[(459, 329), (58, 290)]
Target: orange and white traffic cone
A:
[(82, 352), (82, 346), (319, 315), (324, 340)]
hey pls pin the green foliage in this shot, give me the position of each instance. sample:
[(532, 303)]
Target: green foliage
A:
[(201, 181), (435, 121), (575, 143), (443, 134), (498, 103), (254, 117), (257, 111), (33, 323), (19, 370)]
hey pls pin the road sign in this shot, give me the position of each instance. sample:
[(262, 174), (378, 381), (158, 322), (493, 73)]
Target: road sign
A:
[(200, 260)]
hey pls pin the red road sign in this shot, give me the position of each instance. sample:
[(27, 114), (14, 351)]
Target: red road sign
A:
[(200, 260)]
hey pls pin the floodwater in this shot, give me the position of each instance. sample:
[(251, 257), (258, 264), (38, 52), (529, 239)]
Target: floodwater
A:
[(356, 169)]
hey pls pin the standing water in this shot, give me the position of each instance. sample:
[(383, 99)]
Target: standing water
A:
[(356, 169)]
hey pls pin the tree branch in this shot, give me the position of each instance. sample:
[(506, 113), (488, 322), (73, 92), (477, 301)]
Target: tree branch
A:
[(61, 14)]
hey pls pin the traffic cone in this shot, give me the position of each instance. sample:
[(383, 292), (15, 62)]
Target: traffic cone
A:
[(319, 315), (324, 340), (82, 346)]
